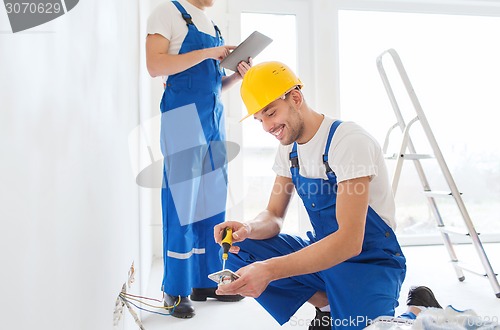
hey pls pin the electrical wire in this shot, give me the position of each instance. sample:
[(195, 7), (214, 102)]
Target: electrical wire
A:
[(127, 297), (144, 309), (160, 307), (141, 297)]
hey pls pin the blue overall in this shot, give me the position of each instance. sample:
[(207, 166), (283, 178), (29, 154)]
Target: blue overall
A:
[(358, 289), (189, 250)]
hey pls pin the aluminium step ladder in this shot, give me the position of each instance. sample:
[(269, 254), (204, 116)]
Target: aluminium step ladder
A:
[(407, 152)]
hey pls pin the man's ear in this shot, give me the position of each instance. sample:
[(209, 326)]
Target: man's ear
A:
[(297, 97)]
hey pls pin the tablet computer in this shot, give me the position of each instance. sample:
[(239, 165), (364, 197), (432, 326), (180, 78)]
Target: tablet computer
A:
[(250, 47)]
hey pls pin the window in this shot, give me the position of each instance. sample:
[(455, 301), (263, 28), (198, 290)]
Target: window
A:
[(254, 171), (452, 62), (260, 147)]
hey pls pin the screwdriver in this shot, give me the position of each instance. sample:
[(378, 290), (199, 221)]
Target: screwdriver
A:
[(227, 240)]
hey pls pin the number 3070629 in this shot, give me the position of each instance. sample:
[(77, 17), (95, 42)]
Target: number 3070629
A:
[(33, 8)]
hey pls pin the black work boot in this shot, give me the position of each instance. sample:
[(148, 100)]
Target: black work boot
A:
[(201, 294), (322, 321), (184, 310), (422, 296)]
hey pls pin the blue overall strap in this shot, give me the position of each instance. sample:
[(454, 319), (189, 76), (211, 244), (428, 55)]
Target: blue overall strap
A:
[(185, 15), (217, 31), (333, 128), (294, 157)]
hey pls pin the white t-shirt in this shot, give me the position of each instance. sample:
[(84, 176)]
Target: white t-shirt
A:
[(167, 21), (353, 153)]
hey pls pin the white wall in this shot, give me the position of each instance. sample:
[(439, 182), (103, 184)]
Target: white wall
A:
[(69, 207)]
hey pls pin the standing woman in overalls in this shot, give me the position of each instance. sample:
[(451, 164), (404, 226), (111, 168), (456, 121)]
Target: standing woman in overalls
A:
[(185, 47)]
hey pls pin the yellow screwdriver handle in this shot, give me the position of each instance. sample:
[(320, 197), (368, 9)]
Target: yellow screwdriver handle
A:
[(227, 241), (227, 236)]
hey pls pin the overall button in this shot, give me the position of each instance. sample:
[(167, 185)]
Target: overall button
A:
[(313, 205), (397, 254), (387, 234)]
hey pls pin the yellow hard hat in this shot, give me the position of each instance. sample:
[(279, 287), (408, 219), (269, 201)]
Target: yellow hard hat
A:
[(265, 83)]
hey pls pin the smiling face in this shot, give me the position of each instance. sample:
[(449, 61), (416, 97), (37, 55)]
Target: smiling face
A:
[(283, 119)]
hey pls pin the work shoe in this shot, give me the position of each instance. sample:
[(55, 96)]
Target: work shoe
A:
[(422, 296), (184, 310), (322, 321), (201, 294)]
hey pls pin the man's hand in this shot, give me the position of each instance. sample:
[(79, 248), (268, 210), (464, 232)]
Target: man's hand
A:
[(218, 53), (241, 231), (253, 280), (243, 67)]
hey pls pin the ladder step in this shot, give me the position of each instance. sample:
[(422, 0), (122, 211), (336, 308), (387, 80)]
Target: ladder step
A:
[(437, 193), (454, 230), (467, 267), (408, 156)]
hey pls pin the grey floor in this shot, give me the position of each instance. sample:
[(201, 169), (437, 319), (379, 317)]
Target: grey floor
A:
[(427, 265)]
